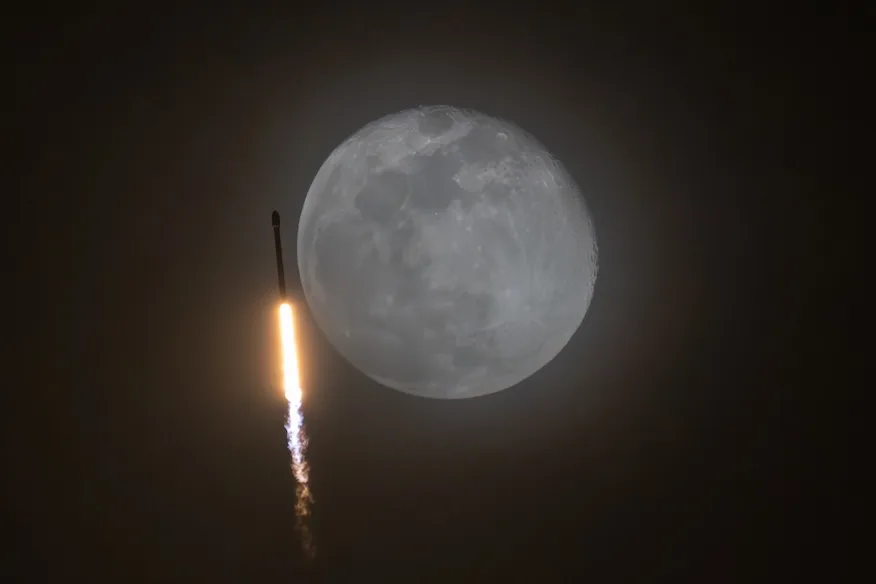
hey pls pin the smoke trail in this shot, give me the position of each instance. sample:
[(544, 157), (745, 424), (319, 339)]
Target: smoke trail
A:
[(295, 431)]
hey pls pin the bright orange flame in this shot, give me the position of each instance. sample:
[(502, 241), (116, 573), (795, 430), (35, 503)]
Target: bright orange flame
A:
[(291, 380), (295, 432)]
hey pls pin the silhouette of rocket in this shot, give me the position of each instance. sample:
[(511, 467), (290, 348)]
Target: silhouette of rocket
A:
[(281, 276)]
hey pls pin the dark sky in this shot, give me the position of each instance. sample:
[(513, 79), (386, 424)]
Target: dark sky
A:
[(681, 434)]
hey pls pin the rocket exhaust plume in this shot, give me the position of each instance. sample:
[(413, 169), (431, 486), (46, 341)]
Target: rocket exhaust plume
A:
[(295, 431)]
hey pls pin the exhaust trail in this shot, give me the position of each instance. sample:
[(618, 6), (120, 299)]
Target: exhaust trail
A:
[(296, 432)]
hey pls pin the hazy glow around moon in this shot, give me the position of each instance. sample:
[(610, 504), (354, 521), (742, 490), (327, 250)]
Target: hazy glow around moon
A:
[(445, 253)]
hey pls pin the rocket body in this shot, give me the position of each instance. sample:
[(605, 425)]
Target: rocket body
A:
[(278, 247)]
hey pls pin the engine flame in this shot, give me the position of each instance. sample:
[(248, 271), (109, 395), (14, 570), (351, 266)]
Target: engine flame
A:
[(291, 380), (295, 431)]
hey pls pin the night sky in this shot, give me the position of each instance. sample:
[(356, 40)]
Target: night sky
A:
[(680, 436)]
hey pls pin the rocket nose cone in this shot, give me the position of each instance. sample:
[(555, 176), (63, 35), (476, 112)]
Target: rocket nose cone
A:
[(275, 219)]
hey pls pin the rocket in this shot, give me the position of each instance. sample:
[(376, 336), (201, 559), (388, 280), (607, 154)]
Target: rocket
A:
[(281, 276)]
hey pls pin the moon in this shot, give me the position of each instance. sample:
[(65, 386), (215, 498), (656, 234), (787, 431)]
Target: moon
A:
[(445, 253)]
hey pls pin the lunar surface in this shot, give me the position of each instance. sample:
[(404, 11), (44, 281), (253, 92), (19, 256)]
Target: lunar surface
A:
[(445, 253)]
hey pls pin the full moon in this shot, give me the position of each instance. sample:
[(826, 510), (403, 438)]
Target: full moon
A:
[(445, 253)]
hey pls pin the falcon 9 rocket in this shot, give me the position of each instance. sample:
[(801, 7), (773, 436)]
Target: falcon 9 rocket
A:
[(281, 276)]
